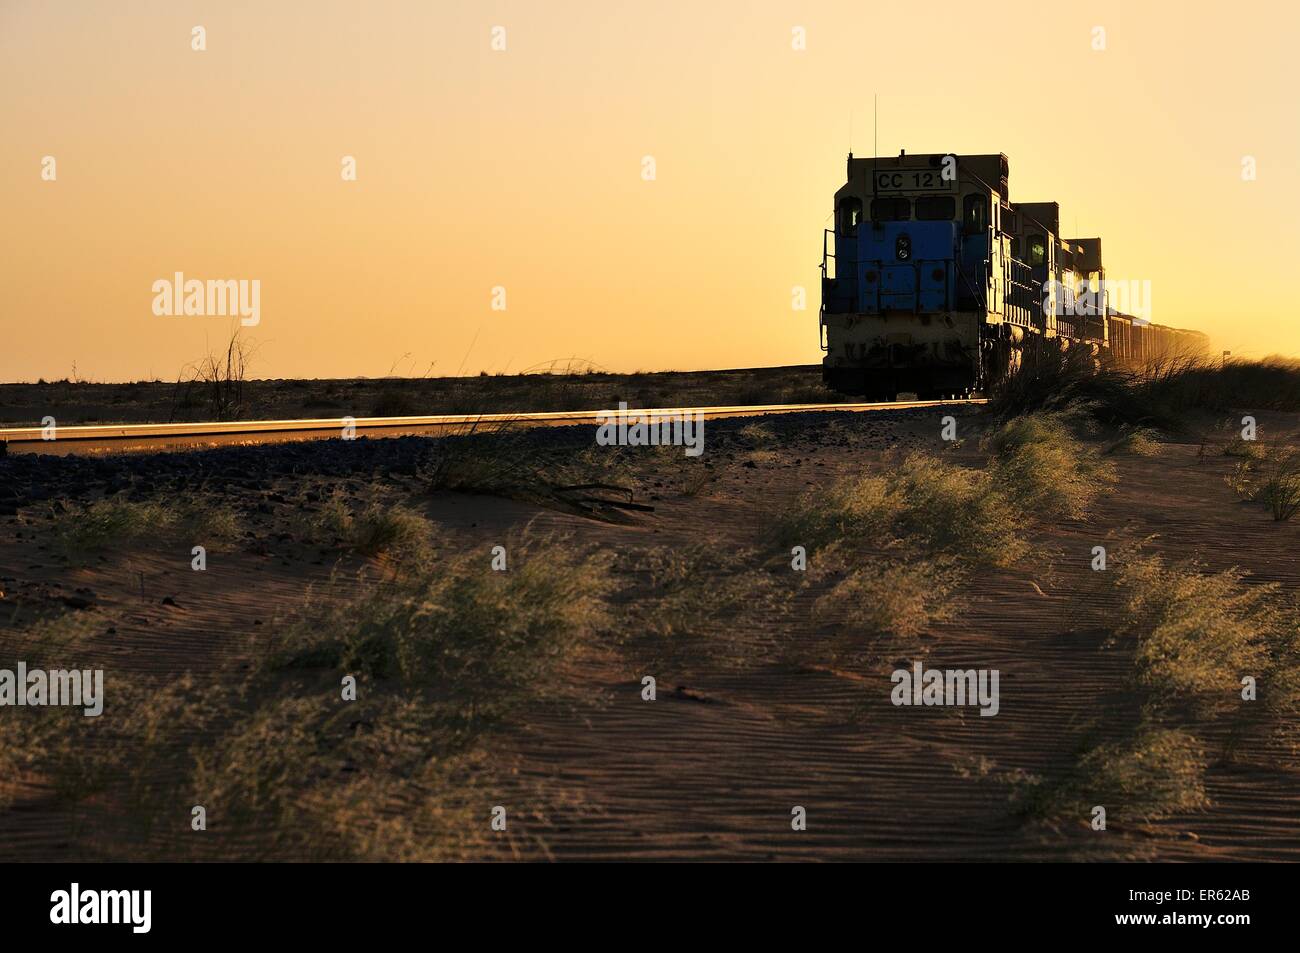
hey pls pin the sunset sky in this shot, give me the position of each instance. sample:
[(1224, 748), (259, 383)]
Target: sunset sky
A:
[(522, 168)]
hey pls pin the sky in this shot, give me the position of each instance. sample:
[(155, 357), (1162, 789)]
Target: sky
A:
[(503, 215)]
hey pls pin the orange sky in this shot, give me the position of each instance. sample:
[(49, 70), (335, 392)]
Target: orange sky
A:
[(522, 168)]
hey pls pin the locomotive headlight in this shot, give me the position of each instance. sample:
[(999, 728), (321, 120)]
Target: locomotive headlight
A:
[(903, 248)]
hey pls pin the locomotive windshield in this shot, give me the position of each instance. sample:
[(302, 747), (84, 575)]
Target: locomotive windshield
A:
[(936, 208), (891, 210)]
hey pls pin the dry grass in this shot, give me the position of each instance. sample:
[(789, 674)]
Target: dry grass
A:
[(1195, 634), (1040, 465), (762, 446), (896, 546), (886, 599), (956, 511), (392, 531), (117, 521), (701, 603), (1249, 449), (1153, 773), (501, 461), (288, 769), (1162, 394), (457, 630), (694, 478), (858, 509), (921, 502), (1157, 772), (1135, 441), (1272, 383), (442, 653), (1269, 476), (300, 780), (899, 544), (756, 436)]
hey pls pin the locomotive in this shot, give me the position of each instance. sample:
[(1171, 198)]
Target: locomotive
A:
[(934, 283)]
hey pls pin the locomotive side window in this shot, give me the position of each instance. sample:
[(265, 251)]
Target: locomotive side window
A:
[(1037, 249), (973, 213), (891, 210), (936, 208), (850, 216)]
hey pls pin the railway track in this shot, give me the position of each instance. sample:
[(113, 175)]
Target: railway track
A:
[(122, 438)]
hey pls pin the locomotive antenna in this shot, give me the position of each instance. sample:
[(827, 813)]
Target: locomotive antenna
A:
[(875, 124)]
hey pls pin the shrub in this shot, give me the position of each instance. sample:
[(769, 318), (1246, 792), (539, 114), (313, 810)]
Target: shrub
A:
[(921, 501), (1270, 477), (890, 598), (1040, 465), (1238, 447), (859, 509), (471, 639), (1160, 394), (956, 511), (394, 530), (1138, 441), (117, 521), (1152, 773), (1194, 634), (1159, 771)]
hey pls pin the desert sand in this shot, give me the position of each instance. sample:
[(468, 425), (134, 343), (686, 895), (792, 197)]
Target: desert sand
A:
[(741, 731)]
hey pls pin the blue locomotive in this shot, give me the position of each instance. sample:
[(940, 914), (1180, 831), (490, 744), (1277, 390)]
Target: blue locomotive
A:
[(933, 283)]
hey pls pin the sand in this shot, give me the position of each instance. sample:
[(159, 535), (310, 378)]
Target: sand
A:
[(714, 766)]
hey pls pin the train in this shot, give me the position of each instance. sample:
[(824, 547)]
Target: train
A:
[(935, 284)]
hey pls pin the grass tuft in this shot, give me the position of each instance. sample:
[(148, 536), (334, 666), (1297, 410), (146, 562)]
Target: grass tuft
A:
[(1160, 394), (1195, 634), (921, 500), (116, 521), (1135, 441), (461, 633), (1272, 478), (701, 602), (1043, 469), (376, 530), (1151, 774), (901, 599)]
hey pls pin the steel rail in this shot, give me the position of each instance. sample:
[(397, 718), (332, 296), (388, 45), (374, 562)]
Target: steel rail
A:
[(120, 437)]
